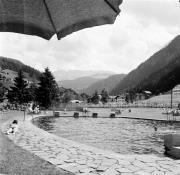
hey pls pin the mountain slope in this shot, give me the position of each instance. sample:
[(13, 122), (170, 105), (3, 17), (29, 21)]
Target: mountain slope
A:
[(15, 65), (108, 83), (78, 84), (154, 64), (163, 80)]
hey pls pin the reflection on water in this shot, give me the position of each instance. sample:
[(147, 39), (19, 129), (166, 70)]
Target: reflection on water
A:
[(125, 136), (46, 123)]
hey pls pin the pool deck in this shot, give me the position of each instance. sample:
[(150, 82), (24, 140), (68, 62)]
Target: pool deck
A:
[(81, 159), (149, 114)]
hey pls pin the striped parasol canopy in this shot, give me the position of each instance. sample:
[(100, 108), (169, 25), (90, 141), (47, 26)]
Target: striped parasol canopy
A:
[(44, 18)]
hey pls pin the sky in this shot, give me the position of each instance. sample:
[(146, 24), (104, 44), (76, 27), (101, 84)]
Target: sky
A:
[(142, 28)]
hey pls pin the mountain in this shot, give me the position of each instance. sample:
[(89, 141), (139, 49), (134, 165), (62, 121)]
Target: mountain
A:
[(78, 84), (15, 65), (108, 83), (74, 74), (156, 65), (163, 80)]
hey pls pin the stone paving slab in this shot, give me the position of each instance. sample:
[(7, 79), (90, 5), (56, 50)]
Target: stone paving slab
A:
[(81, 159)]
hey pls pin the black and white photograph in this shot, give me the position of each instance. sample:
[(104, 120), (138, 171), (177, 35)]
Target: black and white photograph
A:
[(89, 87)]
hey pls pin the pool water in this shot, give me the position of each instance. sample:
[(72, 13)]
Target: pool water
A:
[(125, 136)]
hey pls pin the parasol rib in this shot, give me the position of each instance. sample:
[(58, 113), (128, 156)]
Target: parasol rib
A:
[(116, 10), (50, 17)]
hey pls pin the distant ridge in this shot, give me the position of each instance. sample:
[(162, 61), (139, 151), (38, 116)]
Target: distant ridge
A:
[(78, 84), (107, 83), (156, 70), (74, 74)]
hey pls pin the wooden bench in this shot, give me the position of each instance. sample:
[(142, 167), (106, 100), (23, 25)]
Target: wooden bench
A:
[(56, 114), (94, 115), (112, 115), (76, 115)]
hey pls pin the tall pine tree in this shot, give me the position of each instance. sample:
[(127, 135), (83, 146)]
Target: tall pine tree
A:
[(31, 94), (18, 92), (104, 95), (48, 91)]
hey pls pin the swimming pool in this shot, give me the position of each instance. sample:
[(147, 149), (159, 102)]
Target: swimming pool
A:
[(125, 136)]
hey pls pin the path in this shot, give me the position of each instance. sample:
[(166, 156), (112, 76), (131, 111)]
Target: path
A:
[(85, 160)]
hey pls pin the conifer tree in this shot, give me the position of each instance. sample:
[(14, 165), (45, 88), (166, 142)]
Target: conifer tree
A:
[(48, 91), (2, 92), (105, 96), (31, 94), (95, 98), (18, 92)]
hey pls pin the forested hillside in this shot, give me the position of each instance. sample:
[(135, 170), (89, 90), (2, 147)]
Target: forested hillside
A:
[(150, 74), (15, 65), (163, 80)]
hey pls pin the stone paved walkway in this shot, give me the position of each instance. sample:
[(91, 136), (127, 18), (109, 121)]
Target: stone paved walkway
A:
[(16, 161), (81, 159)]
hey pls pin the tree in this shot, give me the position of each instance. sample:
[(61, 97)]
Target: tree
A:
[(68, 94), (179, 106), (18, 92), (48, 91), (2, 89), (95, 98), (32, 92), (130, 96), (67, 97), (104, 96), (2, 92), (84, 96)]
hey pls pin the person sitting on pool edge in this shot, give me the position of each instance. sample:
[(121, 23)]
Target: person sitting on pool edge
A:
[(13, 127)]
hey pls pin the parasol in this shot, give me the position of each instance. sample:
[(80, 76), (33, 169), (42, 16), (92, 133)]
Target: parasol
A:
[(44, 18)]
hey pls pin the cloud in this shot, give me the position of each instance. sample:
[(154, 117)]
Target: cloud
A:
[(164, 11), (141, 29)]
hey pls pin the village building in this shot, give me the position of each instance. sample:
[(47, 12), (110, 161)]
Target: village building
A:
[(176, 90)]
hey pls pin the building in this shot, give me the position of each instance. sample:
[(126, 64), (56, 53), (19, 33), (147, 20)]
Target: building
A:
[(112, 98), (176, 90), (76, 101), (120, 99)]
